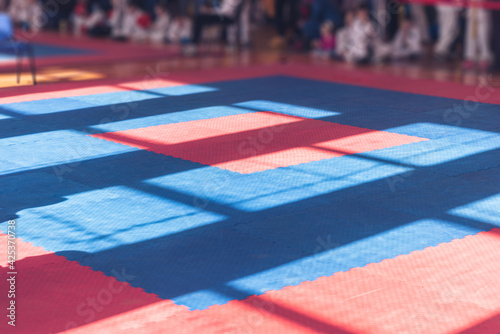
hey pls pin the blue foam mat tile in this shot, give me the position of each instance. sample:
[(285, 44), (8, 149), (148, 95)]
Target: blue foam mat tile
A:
[(128, 168), (388, 184), (234, 189), (436, 197), (4, 117), (299, 187), (102, 219), (373, 118), (130, 99), (178, 266), (161, 111), (135, 96), (474, 125), (485, 210), (404, 239), (490, 175), (402, 101), (429, 153), (484, 139), (8, 167), (480, 150), (15, 126), (463, 112), (425, 125), (46, 106), (279, 187), (285, 108), (39, 134), (425, 128), (33, 190), (169, 118), (68, 151), (324, 255), (116, 98), (341, 97), (335, 224), (133, 169), (70, 113), (372, 96), (186, 89), (475, 162), (362, 183), (320, 181)]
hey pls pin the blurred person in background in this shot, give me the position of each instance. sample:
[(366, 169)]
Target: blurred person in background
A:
[(496, 37), (448, 16), (240, 32), (343, 38), (286, 18), (180, 30), (159, 30), (325, 45), (117, 19), (129, 21), (363, 36), (26, 13), (87, 16), (408, 42), (225, 14), (137, 22), (419, 18), (386, 15), (321, 11), (478, 38)]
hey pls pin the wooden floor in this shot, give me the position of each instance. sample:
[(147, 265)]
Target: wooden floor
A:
[(260, 55)]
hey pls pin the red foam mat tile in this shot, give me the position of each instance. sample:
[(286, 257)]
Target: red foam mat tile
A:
[(145, 82), (448, 289), (252, 142), (53, 294), (482, 91), (335, 72)]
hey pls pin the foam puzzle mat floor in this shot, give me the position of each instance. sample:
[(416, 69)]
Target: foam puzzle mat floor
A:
[(252, 203)]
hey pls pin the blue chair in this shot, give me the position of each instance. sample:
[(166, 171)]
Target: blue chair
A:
[(9, 45)]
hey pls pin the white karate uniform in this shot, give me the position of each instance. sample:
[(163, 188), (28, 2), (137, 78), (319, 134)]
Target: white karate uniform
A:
[(133, 29), (27, 12), (88, 22), (160, 29), (118, 18), (477, 37), (18, 11), (343, 41), (243, 25), (179, 32), (448, 27), (362, 36), (228, 8), (407, 44), (420, 19)]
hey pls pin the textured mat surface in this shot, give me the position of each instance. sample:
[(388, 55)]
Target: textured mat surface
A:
[(257, 141), (267, 204)]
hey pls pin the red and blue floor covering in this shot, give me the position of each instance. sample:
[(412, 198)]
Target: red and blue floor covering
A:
[(54, 49), (250, 201)]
